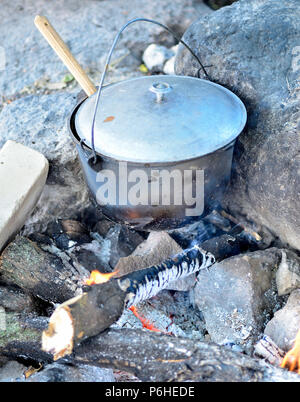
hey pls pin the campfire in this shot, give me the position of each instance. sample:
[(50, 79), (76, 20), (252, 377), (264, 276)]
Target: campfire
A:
[(97, 278), (132, 303), (291, 360)]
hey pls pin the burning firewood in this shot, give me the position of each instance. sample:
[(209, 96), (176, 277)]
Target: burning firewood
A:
[(101, 305), (292, 359), (98, 308), (83, 316)]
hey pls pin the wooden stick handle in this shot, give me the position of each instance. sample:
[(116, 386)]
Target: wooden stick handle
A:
[(63, 52)]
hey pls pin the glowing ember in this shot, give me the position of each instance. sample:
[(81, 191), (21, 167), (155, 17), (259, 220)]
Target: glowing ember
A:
[(145, 323), (97, 277), (292, 359)]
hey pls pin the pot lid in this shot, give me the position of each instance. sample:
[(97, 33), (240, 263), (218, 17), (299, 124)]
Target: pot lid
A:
[(161, 119)]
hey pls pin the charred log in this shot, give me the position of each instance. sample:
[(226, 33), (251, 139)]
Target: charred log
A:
[(158, 357), (100, 306), (20, 336), (83, 316), (25, 264), (13, 299), (103, 304), (66, 232)]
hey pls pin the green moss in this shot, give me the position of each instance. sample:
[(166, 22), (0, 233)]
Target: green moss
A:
[(16, 330)]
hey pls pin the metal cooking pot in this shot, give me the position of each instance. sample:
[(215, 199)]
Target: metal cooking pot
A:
[(156, 151)]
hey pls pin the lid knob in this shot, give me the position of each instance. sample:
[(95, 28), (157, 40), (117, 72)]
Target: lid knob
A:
[(160, 89)]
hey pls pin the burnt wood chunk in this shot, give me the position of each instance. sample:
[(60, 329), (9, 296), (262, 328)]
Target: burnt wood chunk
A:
[(20, 336), (12, 299), (35, 271), (83, 316), (159, 357)]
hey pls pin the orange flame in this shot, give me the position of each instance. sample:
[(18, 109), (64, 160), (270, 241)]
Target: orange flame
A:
[(292, 359), (97, 277)]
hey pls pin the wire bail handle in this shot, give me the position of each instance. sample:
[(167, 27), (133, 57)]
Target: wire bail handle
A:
[(108, 61)]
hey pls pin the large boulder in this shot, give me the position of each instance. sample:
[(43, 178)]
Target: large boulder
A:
[(253, 48)]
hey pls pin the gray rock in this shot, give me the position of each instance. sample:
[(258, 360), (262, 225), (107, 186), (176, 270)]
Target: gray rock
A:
[(288, 273), (57, 372), (253, 49), (285, 324), (40, 122), (89, 36), (158, 247), (169, 67), (237, 297), (155, 56), (12, 371)]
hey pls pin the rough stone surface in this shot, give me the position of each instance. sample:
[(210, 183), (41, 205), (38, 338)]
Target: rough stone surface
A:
[(12, 371), (158, 247), (57, 372), (238, 296), (253, 49), (288, 273), (89, 36), (285, 324)]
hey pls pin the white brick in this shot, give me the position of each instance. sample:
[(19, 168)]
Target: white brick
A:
[(23, 173)]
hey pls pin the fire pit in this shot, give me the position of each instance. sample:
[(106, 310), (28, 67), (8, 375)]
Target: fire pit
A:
[(174, 334)]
